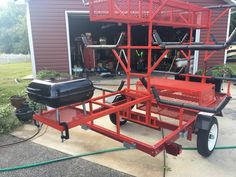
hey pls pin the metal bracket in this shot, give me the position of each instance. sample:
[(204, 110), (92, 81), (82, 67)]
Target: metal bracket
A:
[(84, 109), (173, 148), (58, 115), (85, 127), (119, 42), (183, 134), (129, 146), (66, 135), (36, 123)]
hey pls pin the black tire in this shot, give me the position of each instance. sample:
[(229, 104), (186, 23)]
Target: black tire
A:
[(113, 116), (205, 146)]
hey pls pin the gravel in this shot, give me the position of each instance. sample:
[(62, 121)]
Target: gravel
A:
[(29, 152)]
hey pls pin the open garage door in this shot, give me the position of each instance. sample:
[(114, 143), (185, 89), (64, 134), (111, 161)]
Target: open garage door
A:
[(108, 33)]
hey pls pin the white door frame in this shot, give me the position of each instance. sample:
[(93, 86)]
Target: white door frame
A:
[(227, 34), (67, 14), (196, 54), (31, 43)]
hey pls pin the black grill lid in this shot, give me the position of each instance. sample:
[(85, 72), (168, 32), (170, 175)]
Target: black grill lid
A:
[(64, 93)]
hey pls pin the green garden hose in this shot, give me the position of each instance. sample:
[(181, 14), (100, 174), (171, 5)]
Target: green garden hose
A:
[(89, 154), (216, 148), (60, 159)]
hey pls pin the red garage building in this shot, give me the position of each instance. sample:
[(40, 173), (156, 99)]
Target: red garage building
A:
[(53, 26)]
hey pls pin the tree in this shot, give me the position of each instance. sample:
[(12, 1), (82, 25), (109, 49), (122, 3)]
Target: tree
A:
[(13, 29)]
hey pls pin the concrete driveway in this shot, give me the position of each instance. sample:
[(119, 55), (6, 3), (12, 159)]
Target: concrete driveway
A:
[(189, 163)]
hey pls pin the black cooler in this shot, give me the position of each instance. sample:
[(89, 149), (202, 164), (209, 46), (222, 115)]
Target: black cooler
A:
[(58, 94)]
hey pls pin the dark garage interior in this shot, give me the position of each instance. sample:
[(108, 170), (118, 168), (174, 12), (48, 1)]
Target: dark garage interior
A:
[(108, 33)]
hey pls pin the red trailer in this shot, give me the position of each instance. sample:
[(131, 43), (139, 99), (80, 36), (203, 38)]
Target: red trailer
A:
[(192, 103)]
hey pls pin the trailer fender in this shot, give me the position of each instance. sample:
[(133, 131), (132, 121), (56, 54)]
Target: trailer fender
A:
[(203, 121)]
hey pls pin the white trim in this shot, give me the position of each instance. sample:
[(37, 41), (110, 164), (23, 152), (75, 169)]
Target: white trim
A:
[(86, 3), (67, 13), (230, 1), (196, 54), (30, 36), (81, 12), (68, 42), (227, 34)]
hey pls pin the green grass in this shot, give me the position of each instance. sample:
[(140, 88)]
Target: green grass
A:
[(8, 86), (232, 65)]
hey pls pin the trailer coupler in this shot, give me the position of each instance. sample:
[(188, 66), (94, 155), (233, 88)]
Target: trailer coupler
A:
[(173, 149)]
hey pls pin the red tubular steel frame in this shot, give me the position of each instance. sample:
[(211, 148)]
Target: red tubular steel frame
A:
[(150, 14)]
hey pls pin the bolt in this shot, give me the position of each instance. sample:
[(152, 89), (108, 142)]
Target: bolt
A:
[(211, 136)]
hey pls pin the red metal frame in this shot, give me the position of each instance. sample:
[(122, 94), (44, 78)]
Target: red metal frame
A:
[(145, 12), (162, 12)]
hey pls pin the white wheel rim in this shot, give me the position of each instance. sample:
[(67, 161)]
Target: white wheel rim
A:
[(212, 137)]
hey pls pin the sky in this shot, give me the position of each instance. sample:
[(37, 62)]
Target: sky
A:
[(3, 3)]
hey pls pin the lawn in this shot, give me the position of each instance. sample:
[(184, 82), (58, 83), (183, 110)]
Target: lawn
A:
[(8, 74)]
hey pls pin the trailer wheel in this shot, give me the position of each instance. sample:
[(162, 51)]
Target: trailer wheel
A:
[(206, 139), (113, 116)]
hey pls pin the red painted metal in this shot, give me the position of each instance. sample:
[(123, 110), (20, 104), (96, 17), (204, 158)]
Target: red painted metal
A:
[(172, 13), (164, 13), (159, 60), (184, 91)]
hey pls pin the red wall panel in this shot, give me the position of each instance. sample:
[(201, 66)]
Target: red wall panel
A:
[(49, 32)]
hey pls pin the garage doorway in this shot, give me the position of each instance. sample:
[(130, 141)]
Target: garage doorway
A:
[(78, 24)]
